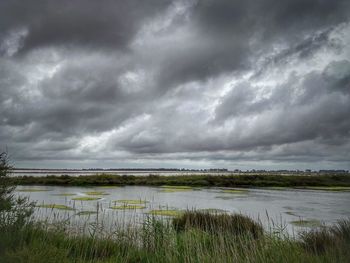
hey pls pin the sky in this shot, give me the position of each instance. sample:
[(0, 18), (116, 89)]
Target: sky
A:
[(175, 83)]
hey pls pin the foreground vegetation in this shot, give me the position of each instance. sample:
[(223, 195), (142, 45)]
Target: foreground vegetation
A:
[(338, 182), (192, 236)]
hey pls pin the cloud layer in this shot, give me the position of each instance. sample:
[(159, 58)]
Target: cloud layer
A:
[(212, 83)]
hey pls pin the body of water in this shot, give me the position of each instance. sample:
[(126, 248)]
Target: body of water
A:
[(274, 208)]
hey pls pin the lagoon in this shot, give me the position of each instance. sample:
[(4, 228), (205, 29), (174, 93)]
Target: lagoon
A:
[(290, 209)]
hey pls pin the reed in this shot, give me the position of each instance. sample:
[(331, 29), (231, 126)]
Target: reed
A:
[(193, 237)]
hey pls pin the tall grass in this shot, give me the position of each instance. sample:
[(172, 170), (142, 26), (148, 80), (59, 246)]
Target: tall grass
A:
[(193, 237)]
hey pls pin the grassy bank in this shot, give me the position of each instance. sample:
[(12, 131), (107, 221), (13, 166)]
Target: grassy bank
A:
[(194, 237), (192, 180)]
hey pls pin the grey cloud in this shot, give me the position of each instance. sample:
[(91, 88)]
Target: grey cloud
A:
[(84, 23), (231, 34), (218, 82), (337, 74)]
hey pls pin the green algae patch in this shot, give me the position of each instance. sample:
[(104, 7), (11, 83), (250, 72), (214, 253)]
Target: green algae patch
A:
[(86, 198), (329, 188), (65, 194), (96, 193), (166, 212), (86, 213), (306, 223), (32, 190), (55, 206), (131, 202), (174, 189), (128, 207), (234, 191)]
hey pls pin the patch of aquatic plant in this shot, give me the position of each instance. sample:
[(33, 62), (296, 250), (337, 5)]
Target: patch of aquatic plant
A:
[(55, 206), (84, 213), (32, 190), (165, 212), (128, 207), (235, 191), (131, 201), (96, 193), (64, 194), (235, 224), (306, 223), (86, 198)]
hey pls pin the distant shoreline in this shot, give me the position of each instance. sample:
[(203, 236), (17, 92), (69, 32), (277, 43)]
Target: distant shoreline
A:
[(195, 180)]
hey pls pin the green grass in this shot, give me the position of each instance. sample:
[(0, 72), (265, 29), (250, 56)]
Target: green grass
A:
[(55, 206), (86, 198), (191, 237)]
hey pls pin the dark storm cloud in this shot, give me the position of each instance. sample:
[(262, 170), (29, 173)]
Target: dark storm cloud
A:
[(96, 24), (231, 34), (212, 81)]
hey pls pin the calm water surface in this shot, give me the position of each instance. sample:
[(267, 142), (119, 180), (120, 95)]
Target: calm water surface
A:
[(280, 207)]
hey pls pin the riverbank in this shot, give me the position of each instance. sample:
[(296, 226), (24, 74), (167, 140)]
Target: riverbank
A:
[(194, 237), (337, 182)]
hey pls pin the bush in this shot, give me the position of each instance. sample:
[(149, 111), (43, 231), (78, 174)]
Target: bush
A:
[(14, 211), (218, 223)]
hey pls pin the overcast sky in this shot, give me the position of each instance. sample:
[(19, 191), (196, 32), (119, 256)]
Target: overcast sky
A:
[(157, 83)]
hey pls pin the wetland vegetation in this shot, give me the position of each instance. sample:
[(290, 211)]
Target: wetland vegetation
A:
[(167, 235), (332, 182)]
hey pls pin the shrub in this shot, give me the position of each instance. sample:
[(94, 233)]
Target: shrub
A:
[(14, 211), (236, 224)]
